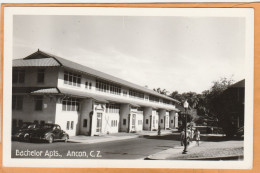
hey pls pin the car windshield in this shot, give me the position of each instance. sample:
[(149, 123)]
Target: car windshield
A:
[(32, 126), (47, 126), (24, 126)]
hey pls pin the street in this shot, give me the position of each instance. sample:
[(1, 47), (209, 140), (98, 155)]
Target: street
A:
[(136, 148)]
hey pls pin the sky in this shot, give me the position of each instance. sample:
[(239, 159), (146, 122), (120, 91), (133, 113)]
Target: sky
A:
[(174, 53)]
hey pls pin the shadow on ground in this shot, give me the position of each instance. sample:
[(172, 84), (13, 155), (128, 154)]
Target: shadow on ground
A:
[(176, 137)]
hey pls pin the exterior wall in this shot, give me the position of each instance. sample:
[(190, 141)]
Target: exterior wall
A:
[(173, 119), (82, 87), (29, 114), (137, 124), (62, 117), (99, 108), (139, 118), (127, 98), (162, 114), (124, 113), (167, 120), (147, 118), (176, 120), (107, 123), (155, 120), (50, 78), (85, 113)]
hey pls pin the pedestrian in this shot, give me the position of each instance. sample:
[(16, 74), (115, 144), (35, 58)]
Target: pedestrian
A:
[(182, 137), (159, 130), (192, 135), (197, 136)]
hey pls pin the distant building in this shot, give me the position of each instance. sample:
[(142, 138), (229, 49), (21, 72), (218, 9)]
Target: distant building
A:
[(234, 103), (84, 101)]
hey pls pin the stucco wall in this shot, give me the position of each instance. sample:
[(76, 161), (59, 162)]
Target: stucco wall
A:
[(162, 114), (86, 109), (173, 119), (107, 123), (63, 116), (147, 114), (29, 114), (124, 112), (50, 78)]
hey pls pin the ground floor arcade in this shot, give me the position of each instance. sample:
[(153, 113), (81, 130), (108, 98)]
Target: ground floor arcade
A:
[(90, 116)]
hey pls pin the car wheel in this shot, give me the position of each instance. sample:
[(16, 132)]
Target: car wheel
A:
[(66, 139), (50, 140)]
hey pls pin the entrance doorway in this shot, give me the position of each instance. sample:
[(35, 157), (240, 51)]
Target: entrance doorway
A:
[(133, 121), (99, 122)]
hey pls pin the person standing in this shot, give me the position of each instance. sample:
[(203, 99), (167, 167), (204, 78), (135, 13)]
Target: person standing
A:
[(197, 136), (182, 137)]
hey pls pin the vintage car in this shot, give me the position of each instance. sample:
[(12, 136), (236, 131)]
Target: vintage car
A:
[(49, 132), (22, 132)]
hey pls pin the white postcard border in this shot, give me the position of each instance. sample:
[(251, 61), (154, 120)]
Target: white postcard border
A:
[(247, 13)]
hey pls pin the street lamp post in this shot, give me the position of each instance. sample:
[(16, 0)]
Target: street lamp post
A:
[(185, 105)]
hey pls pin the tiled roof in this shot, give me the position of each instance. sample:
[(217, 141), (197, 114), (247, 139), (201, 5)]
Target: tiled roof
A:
[(46, 91), (98, 74), (239, 84), (46, 62)]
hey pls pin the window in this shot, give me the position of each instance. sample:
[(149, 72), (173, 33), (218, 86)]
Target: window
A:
[(18, 76), (72, 79), (112, 108), (140, 122), (17, 102), (71, 125), (153, 98), (147, 121), (166, 101), (38, 103), (88, 85), (161, 120), (124, 121), (70, 104), (136, 94), (68, 125), (108, 87), (85, 123), (171, 121), (112, 123), (124, 93), (40, 76)]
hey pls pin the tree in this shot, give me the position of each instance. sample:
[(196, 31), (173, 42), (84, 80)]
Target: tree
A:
[(164, 91), (217, 106)]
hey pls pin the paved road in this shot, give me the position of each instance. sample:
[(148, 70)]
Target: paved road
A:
[(137, 148)]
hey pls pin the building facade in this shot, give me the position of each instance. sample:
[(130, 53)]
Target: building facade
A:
[(84, 101)]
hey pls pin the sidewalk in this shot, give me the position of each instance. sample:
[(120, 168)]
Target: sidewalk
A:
[(208, 150), (115, 136)]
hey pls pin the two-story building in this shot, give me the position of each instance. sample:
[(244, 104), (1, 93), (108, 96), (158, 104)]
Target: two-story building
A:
[(84, 101)]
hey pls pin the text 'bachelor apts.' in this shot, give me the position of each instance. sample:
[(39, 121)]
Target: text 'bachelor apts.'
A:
[(84, 101)]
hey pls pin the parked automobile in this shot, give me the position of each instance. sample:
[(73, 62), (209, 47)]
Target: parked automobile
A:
[(49, 132), (22, 133)]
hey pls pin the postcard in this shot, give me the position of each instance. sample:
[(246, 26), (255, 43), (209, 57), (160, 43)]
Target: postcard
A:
[(114, 87)]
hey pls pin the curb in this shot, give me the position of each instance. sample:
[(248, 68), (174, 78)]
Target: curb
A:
[(91, 141), (236, 157), (86, 141)]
